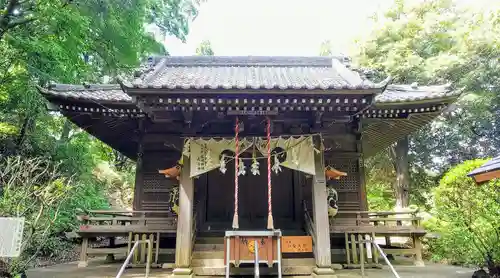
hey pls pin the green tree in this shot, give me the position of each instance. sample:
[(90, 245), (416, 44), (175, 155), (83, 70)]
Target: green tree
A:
[(435, 42), (325, 48), (68, 41), (467, 217), (205, 49)]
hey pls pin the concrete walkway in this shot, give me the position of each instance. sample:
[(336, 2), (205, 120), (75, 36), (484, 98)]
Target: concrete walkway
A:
[(98, 269), (429, 271)]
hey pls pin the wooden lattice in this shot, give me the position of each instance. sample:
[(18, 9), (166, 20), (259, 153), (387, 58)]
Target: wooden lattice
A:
[(156, 183), (348, 165)]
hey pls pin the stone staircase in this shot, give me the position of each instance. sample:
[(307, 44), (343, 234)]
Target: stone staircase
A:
[(208, 260)]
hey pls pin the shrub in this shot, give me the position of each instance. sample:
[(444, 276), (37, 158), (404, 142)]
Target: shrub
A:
[(468, 218)]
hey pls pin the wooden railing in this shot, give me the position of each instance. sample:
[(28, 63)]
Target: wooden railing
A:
[(122, 221), (308, 223), (381, 221), (386, 224), (193, 231), (123, 224)]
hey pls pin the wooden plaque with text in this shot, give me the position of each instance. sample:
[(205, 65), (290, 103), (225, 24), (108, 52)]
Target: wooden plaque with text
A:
[(296, 244)]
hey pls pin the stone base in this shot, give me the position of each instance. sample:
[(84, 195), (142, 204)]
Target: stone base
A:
[(337, 266), (323, 272), (168, 266), (83, 264), (182, 273), (419, 263)]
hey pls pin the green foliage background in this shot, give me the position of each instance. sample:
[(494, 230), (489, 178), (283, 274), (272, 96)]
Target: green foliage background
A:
[(467, 216), (65, 41), (438, 42)]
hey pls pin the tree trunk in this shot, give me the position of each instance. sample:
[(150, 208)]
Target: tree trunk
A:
[(65, 132), (399, 156), (23, 132)]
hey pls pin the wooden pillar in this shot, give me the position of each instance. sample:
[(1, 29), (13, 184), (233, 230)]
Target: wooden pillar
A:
[(185, 220), (320, 217), (83, 253), (417, 245), (139, 179)]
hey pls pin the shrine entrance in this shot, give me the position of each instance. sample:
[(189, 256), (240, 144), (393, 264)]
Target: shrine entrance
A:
[(219, 200)]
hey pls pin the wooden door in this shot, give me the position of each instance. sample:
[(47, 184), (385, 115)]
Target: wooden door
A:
[(253, 205), (219, 200)]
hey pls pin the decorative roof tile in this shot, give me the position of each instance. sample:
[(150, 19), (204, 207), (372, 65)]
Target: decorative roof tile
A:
[(251, 73), (92, 92), (492, 165), (412, 93)]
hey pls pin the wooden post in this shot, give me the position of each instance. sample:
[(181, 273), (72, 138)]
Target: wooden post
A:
[(417, 245), (143, 249), (157, 248), (320, 216), (361, 254), (354, 249), (375, 250), (135, 258), (83, 253), (139, 175), (185, 220), (347, 249)]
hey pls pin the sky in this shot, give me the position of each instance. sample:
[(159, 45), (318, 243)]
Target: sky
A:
[(283, 27)]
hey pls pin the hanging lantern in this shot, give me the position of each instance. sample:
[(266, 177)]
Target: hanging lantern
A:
[(333, 197), (334, 174)]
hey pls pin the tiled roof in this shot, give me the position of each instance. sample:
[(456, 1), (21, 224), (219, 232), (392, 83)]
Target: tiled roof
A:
[(92, 92), (251, 73), (492, 165), (113, 93), (411, 93)]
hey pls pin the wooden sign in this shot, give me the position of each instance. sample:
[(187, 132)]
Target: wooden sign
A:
[(296, 244), (252, 112)]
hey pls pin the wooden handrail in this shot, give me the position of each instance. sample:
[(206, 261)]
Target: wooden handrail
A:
[(377, 212), (381, 219), (122, 218), (309, 226), (113, 212), (194, 231)]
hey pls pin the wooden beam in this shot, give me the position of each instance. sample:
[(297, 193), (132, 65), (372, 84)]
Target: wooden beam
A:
[(184, 221), (139, 180), (320, 214), (484, 177)]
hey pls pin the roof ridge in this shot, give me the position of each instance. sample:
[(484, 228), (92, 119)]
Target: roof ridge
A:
[(84, 87), (247, 61), (415, 87)]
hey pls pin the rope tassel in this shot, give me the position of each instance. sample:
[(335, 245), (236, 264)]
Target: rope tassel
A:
[(270, 221), (236, 167)]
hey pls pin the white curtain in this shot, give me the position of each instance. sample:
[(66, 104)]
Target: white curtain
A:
[(205, 153)]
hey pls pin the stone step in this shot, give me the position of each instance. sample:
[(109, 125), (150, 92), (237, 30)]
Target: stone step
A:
[(217, 262), (208, 247), (208, 255), (209, 240), (264, 270), (207, 262)]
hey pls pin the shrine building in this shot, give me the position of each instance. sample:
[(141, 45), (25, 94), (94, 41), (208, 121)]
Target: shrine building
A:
[(252, 145)]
